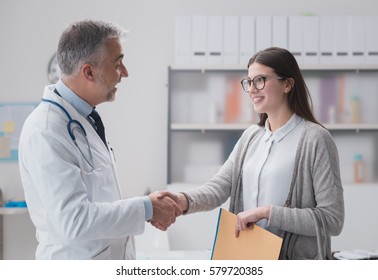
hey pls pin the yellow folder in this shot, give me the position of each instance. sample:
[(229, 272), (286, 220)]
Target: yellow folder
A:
[(253, 244)]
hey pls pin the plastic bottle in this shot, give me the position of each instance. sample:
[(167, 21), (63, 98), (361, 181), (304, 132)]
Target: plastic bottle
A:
[(332, 115), (358, 169), (355, 110)]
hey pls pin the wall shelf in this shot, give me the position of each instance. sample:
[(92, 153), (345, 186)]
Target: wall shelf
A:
[(308, 67), (242, 126), (351, 127), (206, 126)]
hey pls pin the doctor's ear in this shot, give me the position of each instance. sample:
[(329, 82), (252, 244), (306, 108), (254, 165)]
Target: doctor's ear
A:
[(87, 70)]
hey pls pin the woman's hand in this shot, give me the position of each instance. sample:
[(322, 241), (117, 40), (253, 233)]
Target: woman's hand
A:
[(179, 198), (246, 219)]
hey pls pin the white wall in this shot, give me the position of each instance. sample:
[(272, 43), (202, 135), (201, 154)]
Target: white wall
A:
[(136, 122)]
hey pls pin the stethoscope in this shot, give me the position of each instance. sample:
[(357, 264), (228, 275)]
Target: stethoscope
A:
[(75, 126)]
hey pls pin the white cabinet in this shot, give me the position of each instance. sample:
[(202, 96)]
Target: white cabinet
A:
[(208, 112)]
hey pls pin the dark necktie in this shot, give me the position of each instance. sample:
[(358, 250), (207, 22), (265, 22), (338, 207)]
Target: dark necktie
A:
[(98, 125)]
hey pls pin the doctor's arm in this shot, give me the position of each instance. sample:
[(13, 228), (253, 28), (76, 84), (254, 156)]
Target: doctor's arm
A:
[(62, 197)]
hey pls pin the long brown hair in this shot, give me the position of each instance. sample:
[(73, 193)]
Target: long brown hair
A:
[(284, 65)]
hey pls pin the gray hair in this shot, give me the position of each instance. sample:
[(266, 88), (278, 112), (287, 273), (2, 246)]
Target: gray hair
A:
[(83, 42)]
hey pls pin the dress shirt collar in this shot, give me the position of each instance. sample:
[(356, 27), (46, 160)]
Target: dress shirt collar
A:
[(71, 97), (280, 133)]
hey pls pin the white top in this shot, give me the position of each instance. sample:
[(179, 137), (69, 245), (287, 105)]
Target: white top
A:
[(269, 165)]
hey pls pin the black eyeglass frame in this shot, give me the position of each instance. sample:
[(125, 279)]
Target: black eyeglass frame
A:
[(253, 81)]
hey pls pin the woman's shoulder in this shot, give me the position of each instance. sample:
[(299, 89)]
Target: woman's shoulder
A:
[(314, 128), (315, 132), (252, 130)]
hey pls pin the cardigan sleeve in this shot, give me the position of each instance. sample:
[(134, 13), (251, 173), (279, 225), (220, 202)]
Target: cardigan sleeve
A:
[(223, 185)]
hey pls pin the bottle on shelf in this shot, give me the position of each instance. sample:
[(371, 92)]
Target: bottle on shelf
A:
[(332, 115), (355, 110), (358, 168), (233, 103)]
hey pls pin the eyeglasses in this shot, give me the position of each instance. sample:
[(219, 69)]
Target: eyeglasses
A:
[(258, 82)]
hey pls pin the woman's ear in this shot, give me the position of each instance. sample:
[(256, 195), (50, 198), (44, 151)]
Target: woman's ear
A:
[(289, 85)]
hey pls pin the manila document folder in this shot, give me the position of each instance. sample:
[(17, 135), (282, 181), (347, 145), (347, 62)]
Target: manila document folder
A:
[(254, 244)]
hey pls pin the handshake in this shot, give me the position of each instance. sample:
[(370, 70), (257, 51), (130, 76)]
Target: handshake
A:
[(166, 207)]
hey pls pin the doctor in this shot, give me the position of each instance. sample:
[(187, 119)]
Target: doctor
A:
[(66, 165)]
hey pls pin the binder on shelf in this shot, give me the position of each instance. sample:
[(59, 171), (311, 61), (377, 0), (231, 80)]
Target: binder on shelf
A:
[(183, 40), (263, 32), (296, 37), (357, 39), (341, 39), (311, 40), (215, 40), (247, 39), (199, 40), (326, 40), (371, 40), (279, 31), (231, 40)]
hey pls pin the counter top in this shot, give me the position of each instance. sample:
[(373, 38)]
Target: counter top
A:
[(13, 210)]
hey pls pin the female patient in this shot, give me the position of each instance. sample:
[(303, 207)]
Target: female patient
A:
[(283, 173)]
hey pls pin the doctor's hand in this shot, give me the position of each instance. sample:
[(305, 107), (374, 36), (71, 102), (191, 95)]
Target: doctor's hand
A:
[(179, 198), (165, 211), (246, 219)]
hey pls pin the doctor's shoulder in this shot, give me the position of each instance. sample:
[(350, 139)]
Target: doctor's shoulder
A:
[(45, 119)]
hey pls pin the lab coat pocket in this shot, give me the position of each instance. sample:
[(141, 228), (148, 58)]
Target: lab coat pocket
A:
[(105, 254)]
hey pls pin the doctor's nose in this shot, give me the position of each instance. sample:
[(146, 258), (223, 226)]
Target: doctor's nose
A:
[(124, 72)]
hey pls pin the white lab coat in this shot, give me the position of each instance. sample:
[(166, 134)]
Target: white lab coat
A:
[(78, 214)]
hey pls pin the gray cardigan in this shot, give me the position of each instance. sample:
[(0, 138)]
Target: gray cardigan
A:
[(315, 187)]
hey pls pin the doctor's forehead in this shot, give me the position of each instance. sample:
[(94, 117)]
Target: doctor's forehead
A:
[(114, 49)]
